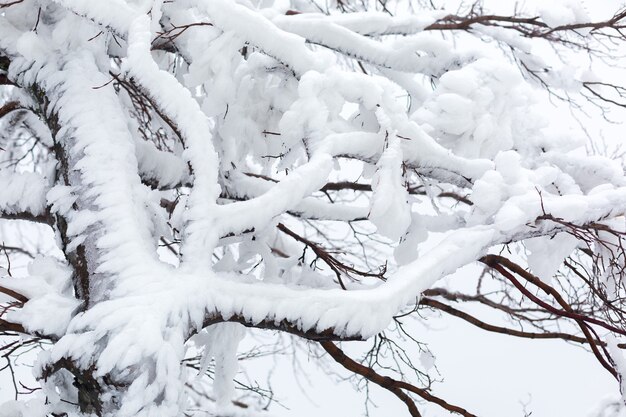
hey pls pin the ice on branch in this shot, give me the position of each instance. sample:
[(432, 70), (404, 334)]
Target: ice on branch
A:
[(201, 171), (22, 193)]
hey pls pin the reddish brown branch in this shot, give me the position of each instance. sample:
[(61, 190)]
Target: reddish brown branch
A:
[(333, 263), (531, 27), (14, 294), (320, 252), (496, 262), (282, 326), (171, 34), (454, 22), (392, 385), (504, 330), (6, 326), (9, 107), (4, 80), (493, 261), (479, 298)]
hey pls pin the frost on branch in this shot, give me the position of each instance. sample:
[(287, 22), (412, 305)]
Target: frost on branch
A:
[(207, 166)]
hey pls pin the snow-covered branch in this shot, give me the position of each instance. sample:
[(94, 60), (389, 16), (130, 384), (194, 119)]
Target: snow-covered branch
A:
[(208, 165)]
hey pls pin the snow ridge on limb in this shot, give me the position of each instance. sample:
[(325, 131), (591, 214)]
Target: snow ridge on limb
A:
[(422, 54), (345, 312), (364, 23), (195, 127), (260, 32), (23, 195), (116, 14)]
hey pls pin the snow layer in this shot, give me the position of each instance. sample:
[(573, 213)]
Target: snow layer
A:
[(261, 129), (22, 193)]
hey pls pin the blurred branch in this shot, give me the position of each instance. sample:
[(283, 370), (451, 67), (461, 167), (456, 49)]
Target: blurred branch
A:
[(6, 326), (45, 218)]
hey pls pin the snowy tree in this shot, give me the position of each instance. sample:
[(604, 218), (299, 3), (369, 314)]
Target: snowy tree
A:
[(178, 175)]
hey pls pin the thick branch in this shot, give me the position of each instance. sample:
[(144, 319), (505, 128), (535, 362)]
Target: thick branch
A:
[(6, 326), (45, 218), (14, 294), (4, 80), (9, 107), (282, 326)]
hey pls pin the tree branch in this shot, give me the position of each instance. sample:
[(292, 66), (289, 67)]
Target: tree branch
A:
[(14, 294), (45, 218), (496, 262), (504, 330), (392, 385), (9, 106), (6, 326), (282, 326)]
